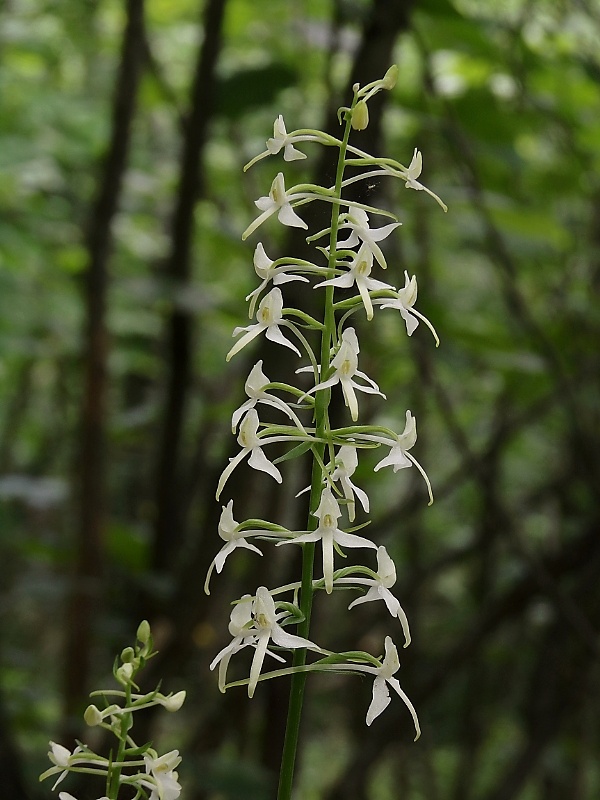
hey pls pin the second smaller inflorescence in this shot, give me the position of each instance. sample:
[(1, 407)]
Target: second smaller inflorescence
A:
[(138, 770)]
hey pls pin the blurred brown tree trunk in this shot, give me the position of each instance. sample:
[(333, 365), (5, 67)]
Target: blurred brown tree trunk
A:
[(169, 517), (90, 478)]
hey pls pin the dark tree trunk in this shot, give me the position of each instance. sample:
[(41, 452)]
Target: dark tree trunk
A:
[(87, 577), (169, 520)]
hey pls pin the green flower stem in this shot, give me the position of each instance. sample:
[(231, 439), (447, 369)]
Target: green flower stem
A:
[(322, 430), (115, 770)]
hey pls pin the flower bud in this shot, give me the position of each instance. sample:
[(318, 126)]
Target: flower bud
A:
[(173, 702), (143, 632), (92, 716), (124, 673), (127, 655), (360, 116), (390, 77)]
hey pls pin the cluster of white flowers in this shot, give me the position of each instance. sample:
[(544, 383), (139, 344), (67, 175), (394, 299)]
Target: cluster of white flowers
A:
[(147, 773), (259, 621)]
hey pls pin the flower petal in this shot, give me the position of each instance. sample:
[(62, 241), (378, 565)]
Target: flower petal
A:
[(380, 701), (259, 461), (352, 540), (287, 216), (274, 334)]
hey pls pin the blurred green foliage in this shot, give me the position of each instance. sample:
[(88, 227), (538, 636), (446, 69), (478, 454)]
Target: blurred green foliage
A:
[(499, 577)]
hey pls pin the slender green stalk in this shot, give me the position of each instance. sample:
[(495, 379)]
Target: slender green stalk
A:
[(115, 772), (321, 415)]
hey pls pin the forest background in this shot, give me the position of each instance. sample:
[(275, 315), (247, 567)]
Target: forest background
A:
[(124, 127)]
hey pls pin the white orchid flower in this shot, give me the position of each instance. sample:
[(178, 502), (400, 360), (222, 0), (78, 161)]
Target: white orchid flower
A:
[(329, 534), (163, 778), (252, 445), (254, 387), (404, 302), (263, 266), (413, 172), (345, 364), (240, 621), (346, 463), (408, 174), (64, 759), (267, 628), (384, 678), (399, 457), (359, 272), (278, 201), (357, 220), (261, 627), (268, 319), (229, 531), (379, 589), (282, 140)]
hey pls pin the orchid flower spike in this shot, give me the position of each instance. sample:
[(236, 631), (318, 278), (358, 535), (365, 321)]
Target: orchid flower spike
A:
[(329, 534), (265, 270), (359, 272), (404, 302), (345, 364), (346, 463), (268, 319)]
